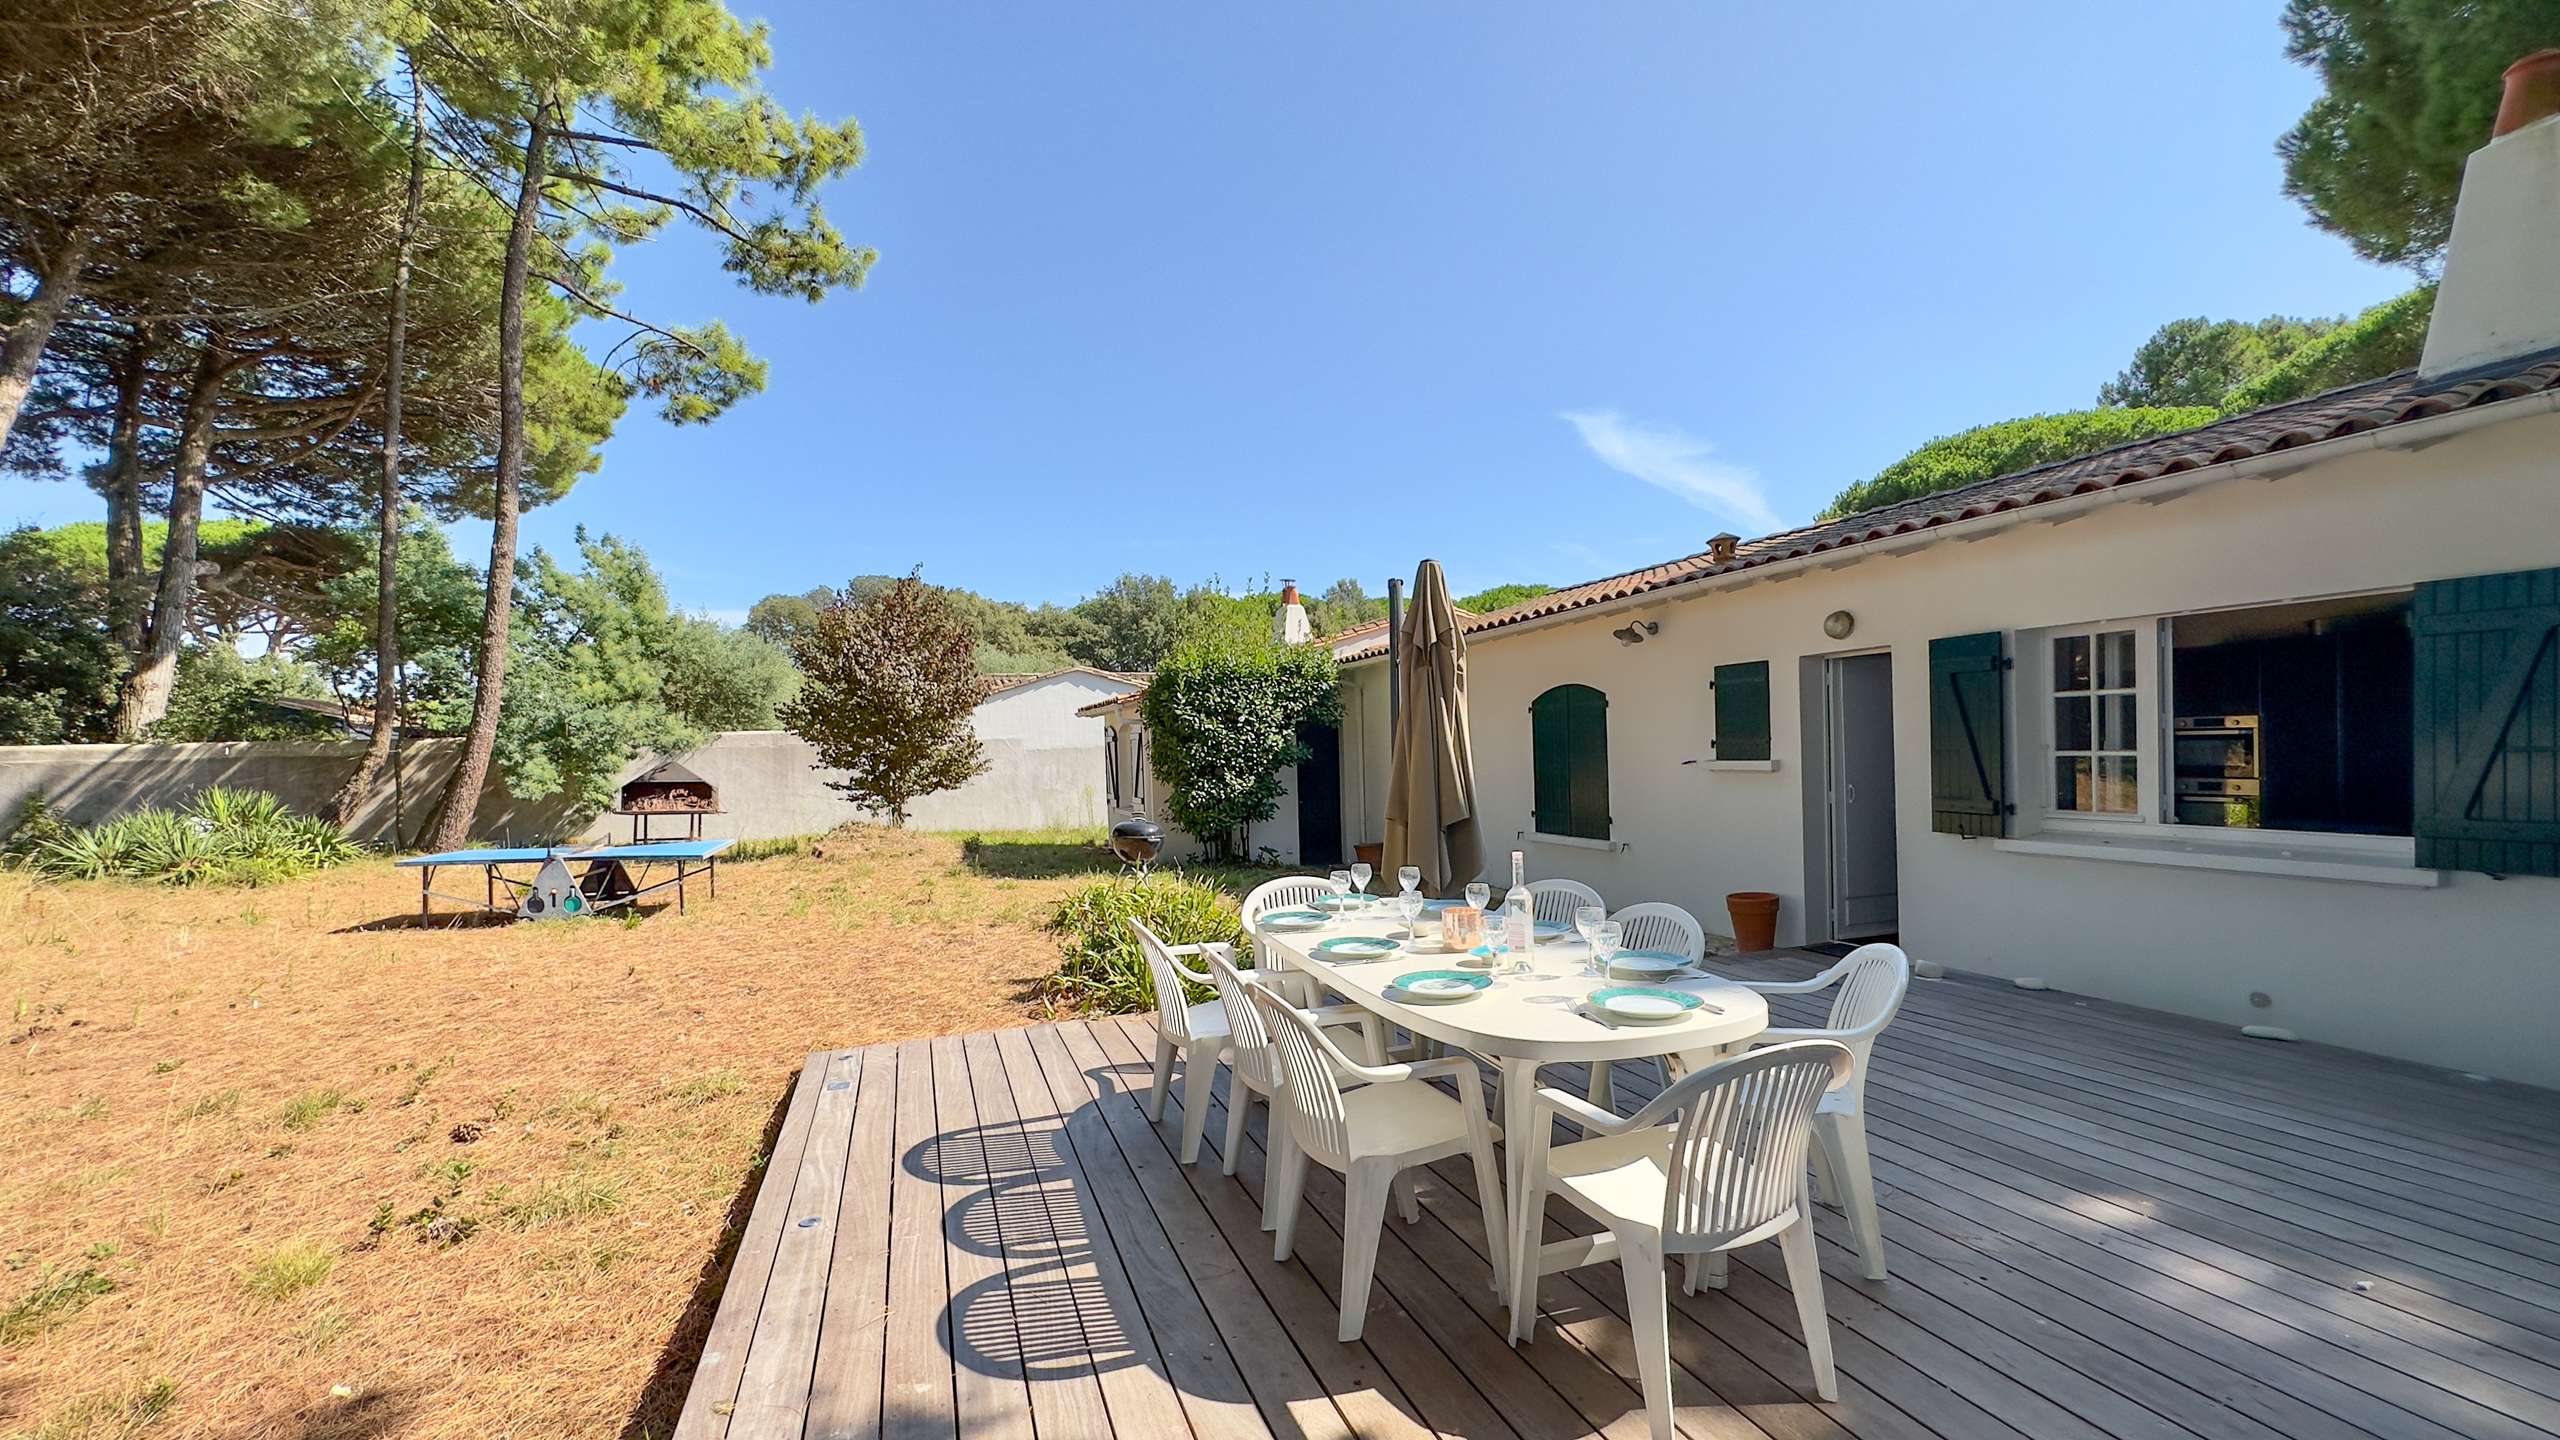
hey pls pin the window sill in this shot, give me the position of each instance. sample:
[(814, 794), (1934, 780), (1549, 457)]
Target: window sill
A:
[(1762, 767), (1578, 842), (2305, 862)]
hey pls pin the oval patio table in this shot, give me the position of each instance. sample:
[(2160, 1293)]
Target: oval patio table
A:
[(1523, 1021)]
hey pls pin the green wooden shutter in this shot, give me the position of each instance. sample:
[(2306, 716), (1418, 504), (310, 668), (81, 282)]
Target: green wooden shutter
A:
[(1569, 738), (2486, 725), (1969, 735), (1742, 710)]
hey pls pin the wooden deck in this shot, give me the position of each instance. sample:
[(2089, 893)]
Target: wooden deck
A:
[(2103, 1223)]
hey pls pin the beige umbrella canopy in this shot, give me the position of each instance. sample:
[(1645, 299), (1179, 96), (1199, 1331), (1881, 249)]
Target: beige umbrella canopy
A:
[(1431, 793)]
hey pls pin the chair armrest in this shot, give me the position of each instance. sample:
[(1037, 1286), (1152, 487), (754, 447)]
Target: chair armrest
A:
[(1780, 1035), (1592, 1119), (1788, 987), (1339, 1015)]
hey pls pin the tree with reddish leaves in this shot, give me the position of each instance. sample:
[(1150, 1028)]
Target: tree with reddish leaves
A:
[(890, 681)]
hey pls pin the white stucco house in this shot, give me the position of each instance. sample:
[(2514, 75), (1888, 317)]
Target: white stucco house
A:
[(2259, 722)]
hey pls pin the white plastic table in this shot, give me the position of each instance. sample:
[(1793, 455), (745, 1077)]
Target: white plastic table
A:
[(1524, 1021)]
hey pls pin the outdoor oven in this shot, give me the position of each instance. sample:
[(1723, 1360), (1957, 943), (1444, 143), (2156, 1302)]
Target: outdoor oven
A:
[(667, 789)]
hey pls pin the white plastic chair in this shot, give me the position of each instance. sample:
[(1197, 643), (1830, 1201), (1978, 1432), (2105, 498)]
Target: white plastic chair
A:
[(1289, 892), (1553, 902), (1714, 1163), (1872, 980), (1198, 1030), (1651, 926), (1392, 1120), (1254, 1071)]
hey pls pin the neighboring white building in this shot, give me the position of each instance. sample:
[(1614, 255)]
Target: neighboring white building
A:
[(1043, 757), (2259, 722)]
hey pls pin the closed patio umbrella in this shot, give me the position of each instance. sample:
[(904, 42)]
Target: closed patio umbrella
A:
[(1431, 791)]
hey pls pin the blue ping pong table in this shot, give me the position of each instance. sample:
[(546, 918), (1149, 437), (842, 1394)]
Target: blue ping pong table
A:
[(602, 862)]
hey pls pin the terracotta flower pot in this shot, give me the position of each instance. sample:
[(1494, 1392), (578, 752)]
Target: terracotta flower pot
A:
[(2533, 91), (1373, 856), (1755, 919)]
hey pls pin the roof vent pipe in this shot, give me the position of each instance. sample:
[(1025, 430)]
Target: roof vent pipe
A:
[(1721, 548), (2497, 301)]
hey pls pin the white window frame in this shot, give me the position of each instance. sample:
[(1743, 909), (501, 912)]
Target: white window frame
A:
[(2036, 693)]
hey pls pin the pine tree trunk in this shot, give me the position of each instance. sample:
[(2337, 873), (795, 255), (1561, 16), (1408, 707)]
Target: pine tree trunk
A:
[(462, 792), (24, 348), (386, 644), (128, 591), (146, 690)]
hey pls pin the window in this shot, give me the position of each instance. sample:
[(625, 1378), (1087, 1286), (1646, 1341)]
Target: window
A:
[(1111, 764), (2097, 764), (1569, 735), (1742, 710)]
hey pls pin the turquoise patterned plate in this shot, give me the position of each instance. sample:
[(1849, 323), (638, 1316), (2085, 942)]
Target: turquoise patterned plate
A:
[(1439, 987), (1295, 920), (1647, 965), (1645, 1004), (1342, 904), (1358, 947)]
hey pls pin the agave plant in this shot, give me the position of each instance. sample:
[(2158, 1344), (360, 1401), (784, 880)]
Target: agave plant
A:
[(169, 846), (226, 807), (96, 853)]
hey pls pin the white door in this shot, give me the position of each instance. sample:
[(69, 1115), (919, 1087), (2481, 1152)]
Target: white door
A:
[(1865, 895)]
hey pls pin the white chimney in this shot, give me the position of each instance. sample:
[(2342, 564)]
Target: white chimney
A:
[(2501, 292), (1294, 629)]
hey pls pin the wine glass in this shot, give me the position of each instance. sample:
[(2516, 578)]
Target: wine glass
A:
[(1587, 919), (1479, 894), (1409, 877), (1360, 874), (1605, 939), (1341, 882), (1409, 905)]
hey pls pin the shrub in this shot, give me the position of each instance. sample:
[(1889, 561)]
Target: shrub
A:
[(292, 1267), (223, 836), (2385, 338), (1222, 717), (2009, 446), (1100, 970)]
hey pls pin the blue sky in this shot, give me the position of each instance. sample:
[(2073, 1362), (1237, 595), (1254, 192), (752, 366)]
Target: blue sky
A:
[(1543, 291)]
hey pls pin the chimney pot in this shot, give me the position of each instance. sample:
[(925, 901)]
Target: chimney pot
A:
[(1720, 549), (1288, 592), (2532, 93)]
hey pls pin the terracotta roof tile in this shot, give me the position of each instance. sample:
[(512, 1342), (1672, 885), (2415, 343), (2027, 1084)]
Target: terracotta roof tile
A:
[(2348, 410)]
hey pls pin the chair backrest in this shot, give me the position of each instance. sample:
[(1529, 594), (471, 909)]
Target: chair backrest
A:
[(1738, 1161), (1252, 1058), (1873, 981), (1173, 1004), (1289, 892), (1554, 901), (1657, 926), (1306, 1078)]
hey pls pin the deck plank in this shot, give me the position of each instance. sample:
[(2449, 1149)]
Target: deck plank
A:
[(714, 1391), (2105, 1225), (917, 1400), (844, 1395)]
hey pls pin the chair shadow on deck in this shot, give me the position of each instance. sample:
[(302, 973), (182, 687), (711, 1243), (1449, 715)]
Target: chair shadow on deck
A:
[(661, 1398), (1042, 1313)]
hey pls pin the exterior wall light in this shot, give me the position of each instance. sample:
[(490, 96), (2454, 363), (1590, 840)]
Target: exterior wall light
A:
[(1838, 624)]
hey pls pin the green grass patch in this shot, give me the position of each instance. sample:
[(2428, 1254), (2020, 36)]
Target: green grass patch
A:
[(702, 1090), (58, 1295), (288, 1269), (220, 1102), (311, 1107), (114, 1415)]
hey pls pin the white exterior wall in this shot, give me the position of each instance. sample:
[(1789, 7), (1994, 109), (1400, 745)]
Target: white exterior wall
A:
[(1041, 715), (2465, 975)]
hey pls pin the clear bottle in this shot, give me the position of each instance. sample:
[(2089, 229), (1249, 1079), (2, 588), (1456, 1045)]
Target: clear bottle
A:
[(1519, 921)]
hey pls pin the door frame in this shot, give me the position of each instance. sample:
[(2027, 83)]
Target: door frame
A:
[(1822, 734)]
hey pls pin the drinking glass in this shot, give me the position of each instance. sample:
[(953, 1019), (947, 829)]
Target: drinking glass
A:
[(1409, 905), (1409, 877), (1479, 894), (1341, 880), (1360, 874), (1586, 919), (1605, 939)]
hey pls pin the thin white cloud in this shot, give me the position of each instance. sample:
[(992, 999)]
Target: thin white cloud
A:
[(1672, 459)]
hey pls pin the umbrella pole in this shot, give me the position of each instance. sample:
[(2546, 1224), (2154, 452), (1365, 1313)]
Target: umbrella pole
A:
[(1395, 658)]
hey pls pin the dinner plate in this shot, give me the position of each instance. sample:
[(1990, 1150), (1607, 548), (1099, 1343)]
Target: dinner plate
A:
[(1646, 965), (1645, 1004), (1342, 904), (1358, 947), (1295, 920), (1550, 929), (1438, 987)]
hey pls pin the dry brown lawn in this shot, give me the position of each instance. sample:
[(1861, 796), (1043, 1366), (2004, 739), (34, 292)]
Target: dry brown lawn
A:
[(277, 1167)]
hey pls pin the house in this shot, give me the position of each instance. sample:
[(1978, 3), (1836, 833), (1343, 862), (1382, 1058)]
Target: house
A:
[(2259, 722)]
